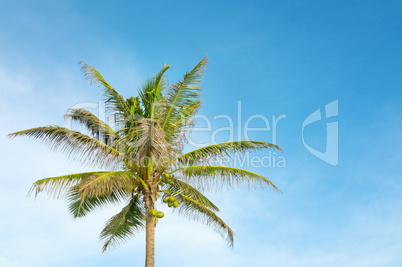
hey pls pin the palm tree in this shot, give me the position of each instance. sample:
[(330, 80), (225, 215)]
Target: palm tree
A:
[(141, 157)]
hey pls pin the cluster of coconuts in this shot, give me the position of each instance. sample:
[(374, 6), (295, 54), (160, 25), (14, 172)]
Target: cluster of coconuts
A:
[(167, 177), (157, 214), (171, 201)]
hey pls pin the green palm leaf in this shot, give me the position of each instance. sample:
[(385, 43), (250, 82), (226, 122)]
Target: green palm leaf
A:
[(98, 129), (91, 184), (106, 183), (151, 92), (209, 177), (183, 188), (57, 186), (194, 210), (124, 224), (114, 101), (182, 123), (80, 207), (135, 109), (221, 150), (75, 144), (183, 94)]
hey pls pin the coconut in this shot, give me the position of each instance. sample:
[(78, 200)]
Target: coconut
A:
[(160, 214), (166, 199), (156, 220), (167, 175), (175, 203), (152, 212), (171, 199), (170, 204)]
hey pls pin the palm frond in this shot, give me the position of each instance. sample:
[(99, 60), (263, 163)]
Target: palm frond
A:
[(189, 191), (182, 123), (135, 109), (56, 186), (207, 177), (89, 181), (183, 94), (80, 207), (98, 129), (114, 101), (151, 92), (145, 140), (221, 150), (194, 210), (159, 80), (186, 115), (124, 224), (106, 183), (75, 144)]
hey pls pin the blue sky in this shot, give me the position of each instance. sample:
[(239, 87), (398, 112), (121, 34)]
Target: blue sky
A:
[(277, 58)]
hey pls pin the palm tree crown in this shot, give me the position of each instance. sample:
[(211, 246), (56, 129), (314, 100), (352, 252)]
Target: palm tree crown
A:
[(142, 152)]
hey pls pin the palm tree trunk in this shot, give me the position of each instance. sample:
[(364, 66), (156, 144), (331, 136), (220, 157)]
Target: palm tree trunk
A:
[(150, 234)]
